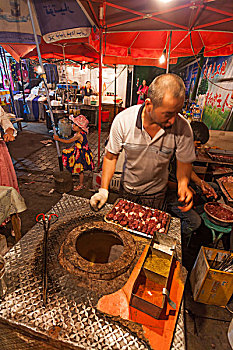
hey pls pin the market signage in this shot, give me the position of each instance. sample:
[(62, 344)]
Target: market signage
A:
[(217, 100), (215, 90), (61, 20), (15, 23)]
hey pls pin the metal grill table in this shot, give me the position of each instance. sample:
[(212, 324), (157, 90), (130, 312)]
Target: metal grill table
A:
[(70, 319)]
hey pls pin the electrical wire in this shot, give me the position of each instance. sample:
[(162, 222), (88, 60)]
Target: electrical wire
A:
[(229, 310), (191, 314), (220, 87), (116, 77)]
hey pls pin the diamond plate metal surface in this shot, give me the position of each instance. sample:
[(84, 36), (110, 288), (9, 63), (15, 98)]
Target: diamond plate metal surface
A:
[(69, 314)]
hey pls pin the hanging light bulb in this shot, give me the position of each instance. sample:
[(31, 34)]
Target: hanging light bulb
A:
[(39, 70), (162, 59)]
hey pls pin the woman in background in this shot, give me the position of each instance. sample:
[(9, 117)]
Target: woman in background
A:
[(7, 171), (87, 91), (142, 92)]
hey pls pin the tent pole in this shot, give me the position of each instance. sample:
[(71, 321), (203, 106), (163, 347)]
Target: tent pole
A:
[(115, 92), (21, 75), (67, 87), (4, 63), (100, 78), (131, 92), (226, 125), (169, 51), (46, 86), (100, 90)]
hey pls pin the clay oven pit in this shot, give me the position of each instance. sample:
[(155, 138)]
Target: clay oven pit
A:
[(97, 250)]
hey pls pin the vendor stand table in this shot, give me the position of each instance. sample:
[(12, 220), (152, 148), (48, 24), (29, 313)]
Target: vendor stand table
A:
[(70, 318), (110, 107), (204, 163), (90, 111), (57, 114)]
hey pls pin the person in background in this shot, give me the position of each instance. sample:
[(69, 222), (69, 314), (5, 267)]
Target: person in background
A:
[(78, 158), (142, 92), (150, 134), (11, 201), (7, 171), (87, 91)]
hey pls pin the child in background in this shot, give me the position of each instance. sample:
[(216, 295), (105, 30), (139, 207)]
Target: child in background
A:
[(78, 158)]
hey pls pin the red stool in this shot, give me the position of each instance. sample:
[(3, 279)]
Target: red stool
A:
[(104, 120), (105, 116)]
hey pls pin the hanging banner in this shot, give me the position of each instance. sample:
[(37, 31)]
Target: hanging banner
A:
[(61, 20), (190, 79), (15, 23), (215, 89), (216, 99)]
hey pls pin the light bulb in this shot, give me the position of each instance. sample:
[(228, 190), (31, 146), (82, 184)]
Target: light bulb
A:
[(162, 59), (39, 70)]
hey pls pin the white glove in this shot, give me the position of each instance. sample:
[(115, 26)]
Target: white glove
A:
[(98, 200)]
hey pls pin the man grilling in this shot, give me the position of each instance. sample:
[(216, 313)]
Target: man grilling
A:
[(150, 134)]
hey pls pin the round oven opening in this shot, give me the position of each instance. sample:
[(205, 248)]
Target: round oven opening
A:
[(99, 246)]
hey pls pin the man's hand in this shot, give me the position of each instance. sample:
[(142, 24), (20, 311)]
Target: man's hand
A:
[(98, 200), (185, 196), (207, 190)]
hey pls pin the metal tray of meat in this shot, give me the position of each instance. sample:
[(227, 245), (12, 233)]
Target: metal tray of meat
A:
[(219, 218), (221, 181), (138, 232), (221, 155)]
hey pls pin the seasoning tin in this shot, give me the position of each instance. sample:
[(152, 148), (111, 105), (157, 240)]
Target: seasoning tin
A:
[(150, 290)]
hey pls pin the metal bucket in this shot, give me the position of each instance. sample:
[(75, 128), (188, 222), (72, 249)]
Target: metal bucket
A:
[(64, 127), (63, 181)]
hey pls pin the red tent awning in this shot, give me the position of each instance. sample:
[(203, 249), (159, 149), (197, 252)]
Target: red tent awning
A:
[(145, 48), (18, 50), (148, 15), (76, 49)]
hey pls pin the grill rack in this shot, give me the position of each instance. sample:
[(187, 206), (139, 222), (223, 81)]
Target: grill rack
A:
[(80, 324)]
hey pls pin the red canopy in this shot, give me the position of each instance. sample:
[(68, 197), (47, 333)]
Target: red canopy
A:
[(17, 50), (150, 15), (76, 49), (145, 48), (209, 22)]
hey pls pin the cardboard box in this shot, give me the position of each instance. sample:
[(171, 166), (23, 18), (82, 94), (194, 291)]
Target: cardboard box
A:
[(114, 183), (210, 286), (96, 181)]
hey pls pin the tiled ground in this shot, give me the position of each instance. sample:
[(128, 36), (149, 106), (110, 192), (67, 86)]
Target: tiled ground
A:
[(45, 160)]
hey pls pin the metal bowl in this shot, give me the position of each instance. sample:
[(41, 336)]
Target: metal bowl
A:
[(216, 219)]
